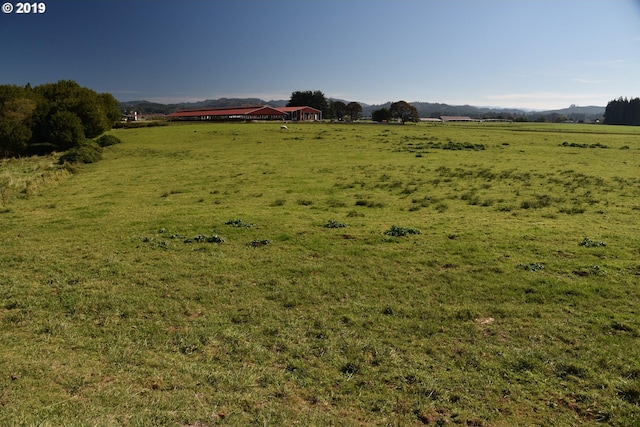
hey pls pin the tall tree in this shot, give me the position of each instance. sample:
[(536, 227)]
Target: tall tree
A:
[(314, 99), (404, 112), (337, 110), (354, 110)]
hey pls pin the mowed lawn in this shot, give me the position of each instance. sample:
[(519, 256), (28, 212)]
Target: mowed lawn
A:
[(336, 274)]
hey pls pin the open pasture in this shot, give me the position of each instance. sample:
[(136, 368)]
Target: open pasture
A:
[(232, 274)]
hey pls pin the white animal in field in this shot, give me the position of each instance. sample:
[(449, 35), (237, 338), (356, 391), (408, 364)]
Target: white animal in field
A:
[(283, 127)]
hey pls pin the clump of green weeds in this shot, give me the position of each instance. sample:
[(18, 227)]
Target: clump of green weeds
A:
[(540, 201), (397, 231), (578, 145), (200, 238), (278, 202), (588, 243), (369, 203), (532, 266), (334, 224), (238, 223), (154, 243), (572, 210), (591, 270)]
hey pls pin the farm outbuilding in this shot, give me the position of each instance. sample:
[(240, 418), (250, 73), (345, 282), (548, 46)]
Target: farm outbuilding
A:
[(302, 113), (456, 119), (249, 113)]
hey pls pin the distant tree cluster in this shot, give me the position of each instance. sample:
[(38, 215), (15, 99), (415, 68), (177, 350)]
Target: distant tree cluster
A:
[(623, 111), (401, 110), (338, 110), (52, 117), (332, 110)]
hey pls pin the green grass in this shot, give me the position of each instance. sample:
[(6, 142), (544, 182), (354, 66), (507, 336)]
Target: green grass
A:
[(119, 307)]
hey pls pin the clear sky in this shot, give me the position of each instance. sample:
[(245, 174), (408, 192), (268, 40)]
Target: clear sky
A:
[(538, 54)]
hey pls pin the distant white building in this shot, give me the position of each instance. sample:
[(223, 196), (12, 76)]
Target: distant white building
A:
[(131, 116), (456, 119)]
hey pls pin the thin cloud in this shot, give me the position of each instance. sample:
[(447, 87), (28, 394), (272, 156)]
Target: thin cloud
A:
[(586, 81), (546, 100)]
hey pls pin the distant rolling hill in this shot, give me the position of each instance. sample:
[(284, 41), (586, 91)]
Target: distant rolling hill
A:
[(425, 109)]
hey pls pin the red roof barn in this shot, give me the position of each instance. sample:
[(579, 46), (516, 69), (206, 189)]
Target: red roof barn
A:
[(250, 113)]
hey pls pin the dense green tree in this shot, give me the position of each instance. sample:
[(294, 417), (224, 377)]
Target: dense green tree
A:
[(354, 110), (19, 110), (623, 111), (404, 112), (111, 108), (52, 116), (337, 110), (314, 99), (67, 95), (65, 130), (14, 137), (381, 115)]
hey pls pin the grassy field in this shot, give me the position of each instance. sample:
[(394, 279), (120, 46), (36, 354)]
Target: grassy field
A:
[(232, 274)]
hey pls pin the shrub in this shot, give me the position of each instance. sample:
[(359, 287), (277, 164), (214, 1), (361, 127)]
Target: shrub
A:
[(107, 140), (65, 130), (87, 152)]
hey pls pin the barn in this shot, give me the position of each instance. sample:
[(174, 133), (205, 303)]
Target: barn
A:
[(304, 114), (264, 112)]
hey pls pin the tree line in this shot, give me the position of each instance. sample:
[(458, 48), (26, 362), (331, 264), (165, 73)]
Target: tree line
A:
[(623, 111), (338, 110), (52, 117)]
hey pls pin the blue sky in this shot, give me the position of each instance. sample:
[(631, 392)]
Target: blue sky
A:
[(538, 54)]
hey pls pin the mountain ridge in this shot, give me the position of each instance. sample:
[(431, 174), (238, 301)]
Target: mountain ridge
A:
[(425, 109)]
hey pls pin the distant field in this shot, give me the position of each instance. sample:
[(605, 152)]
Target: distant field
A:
[(233, 274)]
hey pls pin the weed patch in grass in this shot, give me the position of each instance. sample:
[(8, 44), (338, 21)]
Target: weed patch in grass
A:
[(531, 266), (201, 238), (589, 243), (258, 243), (278, 202), (397, 231), (334, 224), (239, 223)]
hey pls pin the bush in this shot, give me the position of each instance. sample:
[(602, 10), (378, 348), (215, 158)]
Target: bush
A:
[(107, 140), (65, 130), (88, 152)]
